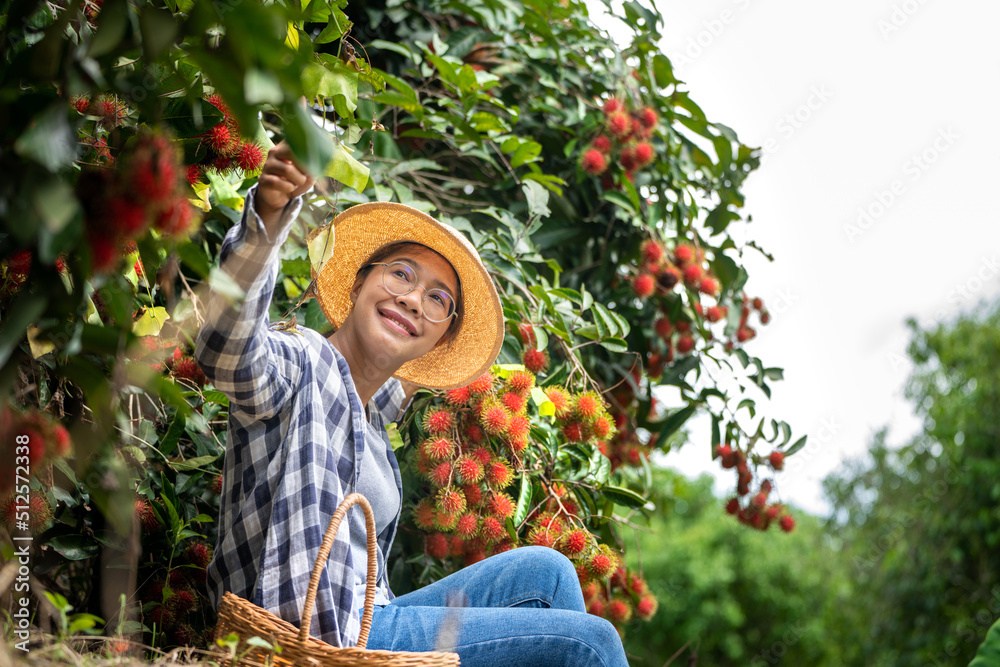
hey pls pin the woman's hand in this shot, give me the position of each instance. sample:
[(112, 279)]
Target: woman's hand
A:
[(281, 180)]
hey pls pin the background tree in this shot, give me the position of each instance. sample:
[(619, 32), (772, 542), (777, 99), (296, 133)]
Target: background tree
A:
[(920, 522)]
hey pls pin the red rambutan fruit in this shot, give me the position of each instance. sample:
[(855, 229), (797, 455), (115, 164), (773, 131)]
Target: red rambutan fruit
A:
[(787, 523), (643, 154), (603, 427), (482, 384), (693, 273), (469, 470), (596, 607), (602, 144), (573, 432), (733, 506), (177, 219), (62, 440), (648, 118), (440, 474), (436, 545), (147, 517), (500, 505), (438, 449), (619, 125), (458, 396), (423, 514), (498, 474), (652, 251), (450, 501), (491, 529), (514, 402), (249, 157), (495, 420), (619, 611), (521, 382), (708, 285), (593, 162), (587, 405), (473, 494), (685, 344), (19, 262), (663, 327), (646, 607), (219, 139), (534, 360), (683, 253), (439, 421), (518, 428), (574, 542), (629, 160), (777, 460), (125, 217), (467, 525), (560, 401), (474, 434), (643, 285)]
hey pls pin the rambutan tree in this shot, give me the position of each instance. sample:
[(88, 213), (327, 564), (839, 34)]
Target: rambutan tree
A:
[(596, 190)]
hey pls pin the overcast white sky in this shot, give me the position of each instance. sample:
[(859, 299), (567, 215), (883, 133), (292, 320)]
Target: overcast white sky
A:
[(881, 106)]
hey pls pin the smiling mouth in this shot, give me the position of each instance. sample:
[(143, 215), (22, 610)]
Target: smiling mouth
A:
[(397, 320)]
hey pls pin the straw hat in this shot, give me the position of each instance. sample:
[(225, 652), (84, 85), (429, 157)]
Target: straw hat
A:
[(361, 230)]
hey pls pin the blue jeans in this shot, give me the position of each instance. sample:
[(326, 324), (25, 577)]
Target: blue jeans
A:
[(520, 608)]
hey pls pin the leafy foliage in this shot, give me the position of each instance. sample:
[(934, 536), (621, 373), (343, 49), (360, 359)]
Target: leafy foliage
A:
[(619, 272), (930, 605)]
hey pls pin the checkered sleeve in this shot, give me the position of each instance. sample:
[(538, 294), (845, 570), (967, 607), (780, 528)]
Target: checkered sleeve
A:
[(253, 366), (389, 400)]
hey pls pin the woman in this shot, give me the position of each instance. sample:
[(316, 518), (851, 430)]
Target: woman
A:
[(410, 299)]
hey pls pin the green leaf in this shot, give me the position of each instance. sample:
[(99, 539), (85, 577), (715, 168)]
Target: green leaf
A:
[(311, 145), (523, 500), (169, 442), (774, 373), (49, 140), (537, 197), (673, 422), (799, 444), (395, 439), (74, 547), (619, 199), (622, 496), (150, 322), (614, 344), (336, 81), (346, 169), (527, 152), (195, 463)]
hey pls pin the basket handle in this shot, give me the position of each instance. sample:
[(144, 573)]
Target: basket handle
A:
[(324, 554)]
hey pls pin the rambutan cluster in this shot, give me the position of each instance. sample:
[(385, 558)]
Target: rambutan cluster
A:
[(168, 603), (472, 446), (744, 331), (626, 597), (754, 510), (227, 150), (626, 138), (142, 191), (581, 417), (183, 366), (624, 448), (35, 434), (108, 111), (659, 273)]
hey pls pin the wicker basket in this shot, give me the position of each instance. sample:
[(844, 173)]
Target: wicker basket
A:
[(297, 646)]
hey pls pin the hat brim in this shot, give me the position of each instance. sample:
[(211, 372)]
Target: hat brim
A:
[(361, 230)]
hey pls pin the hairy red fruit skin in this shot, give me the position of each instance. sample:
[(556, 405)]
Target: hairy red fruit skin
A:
[(593, 162), (643, 285)]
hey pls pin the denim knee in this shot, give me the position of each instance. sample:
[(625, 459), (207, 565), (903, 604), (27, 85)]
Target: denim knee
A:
[(548, 559)]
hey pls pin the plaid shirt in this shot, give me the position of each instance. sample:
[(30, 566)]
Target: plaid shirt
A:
[(297, 431)]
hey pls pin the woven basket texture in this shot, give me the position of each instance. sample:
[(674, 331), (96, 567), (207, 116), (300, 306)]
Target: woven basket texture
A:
[(297, 646)]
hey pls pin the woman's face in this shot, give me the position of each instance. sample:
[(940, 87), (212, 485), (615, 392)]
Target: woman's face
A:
[(394, 325)]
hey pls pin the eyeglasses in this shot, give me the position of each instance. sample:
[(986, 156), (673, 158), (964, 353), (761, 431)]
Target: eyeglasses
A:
[(399, 278)]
